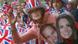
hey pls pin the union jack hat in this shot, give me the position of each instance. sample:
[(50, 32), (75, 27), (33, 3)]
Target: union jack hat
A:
[(32, 5)]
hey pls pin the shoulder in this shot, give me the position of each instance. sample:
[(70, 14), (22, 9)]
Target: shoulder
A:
[(50, 18)]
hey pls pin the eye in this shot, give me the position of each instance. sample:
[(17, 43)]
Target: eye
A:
[(68, 25), (60, 26)]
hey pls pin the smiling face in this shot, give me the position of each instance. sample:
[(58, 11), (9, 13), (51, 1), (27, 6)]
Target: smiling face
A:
[(50, 34), (65, 28), (36, 15), (69, 6)]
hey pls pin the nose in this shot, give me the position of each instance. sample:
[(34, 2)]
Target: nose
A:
[(66, 29)]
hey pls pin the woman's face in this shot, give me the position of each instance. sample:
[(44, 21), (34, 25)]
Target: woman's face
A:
[(69, 6), (50, 34), (36, 15), (65, 28)]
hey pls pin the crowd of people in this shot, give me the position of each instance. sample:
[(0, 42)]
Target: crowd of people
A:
[(55, 22)]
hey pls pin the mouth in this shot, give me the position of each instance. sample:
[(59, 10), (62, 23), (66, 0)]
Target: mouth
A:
[(36, 18), (66, 35)]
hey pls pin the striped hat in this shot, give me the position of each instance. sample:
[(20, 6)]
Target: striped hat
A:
[(33, 4)]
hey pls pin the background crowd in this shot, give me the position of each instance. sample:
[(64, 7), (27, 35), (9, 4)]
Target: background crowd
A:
[(20, 10)]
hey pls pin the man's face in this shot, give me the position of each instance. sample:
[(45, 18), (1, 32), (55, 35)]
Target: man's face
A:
[(18, 9), (50, 34), (36, 15), (65, 28)]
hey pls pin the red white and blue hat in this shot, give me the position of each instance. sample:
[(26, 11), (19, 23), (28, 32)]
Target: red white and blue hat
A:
[(32, 5)]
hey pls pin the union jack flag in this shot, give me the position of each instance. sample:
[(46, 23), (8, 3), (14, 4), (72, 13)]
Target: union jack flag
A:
[(5, 34), (32, 3)]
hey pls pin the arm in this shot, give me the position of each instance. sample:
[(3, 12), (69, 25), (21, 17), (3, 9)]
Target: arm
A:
[(23, 38), (20, 39)]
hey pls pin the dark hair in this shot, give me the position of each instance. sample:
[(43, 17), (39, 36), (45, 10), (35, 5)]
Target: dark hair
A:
[(41, 9), (70, 20), (6, 2), (42, 28), (36, 9)]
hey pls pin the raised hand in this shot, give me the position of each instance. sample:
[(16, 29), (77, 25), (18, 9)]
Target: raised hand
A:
[(11, 17)]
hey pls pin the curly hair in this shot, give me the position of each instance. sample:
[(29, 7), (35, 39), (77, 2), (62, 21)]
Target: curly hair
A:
[(41, 9)]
